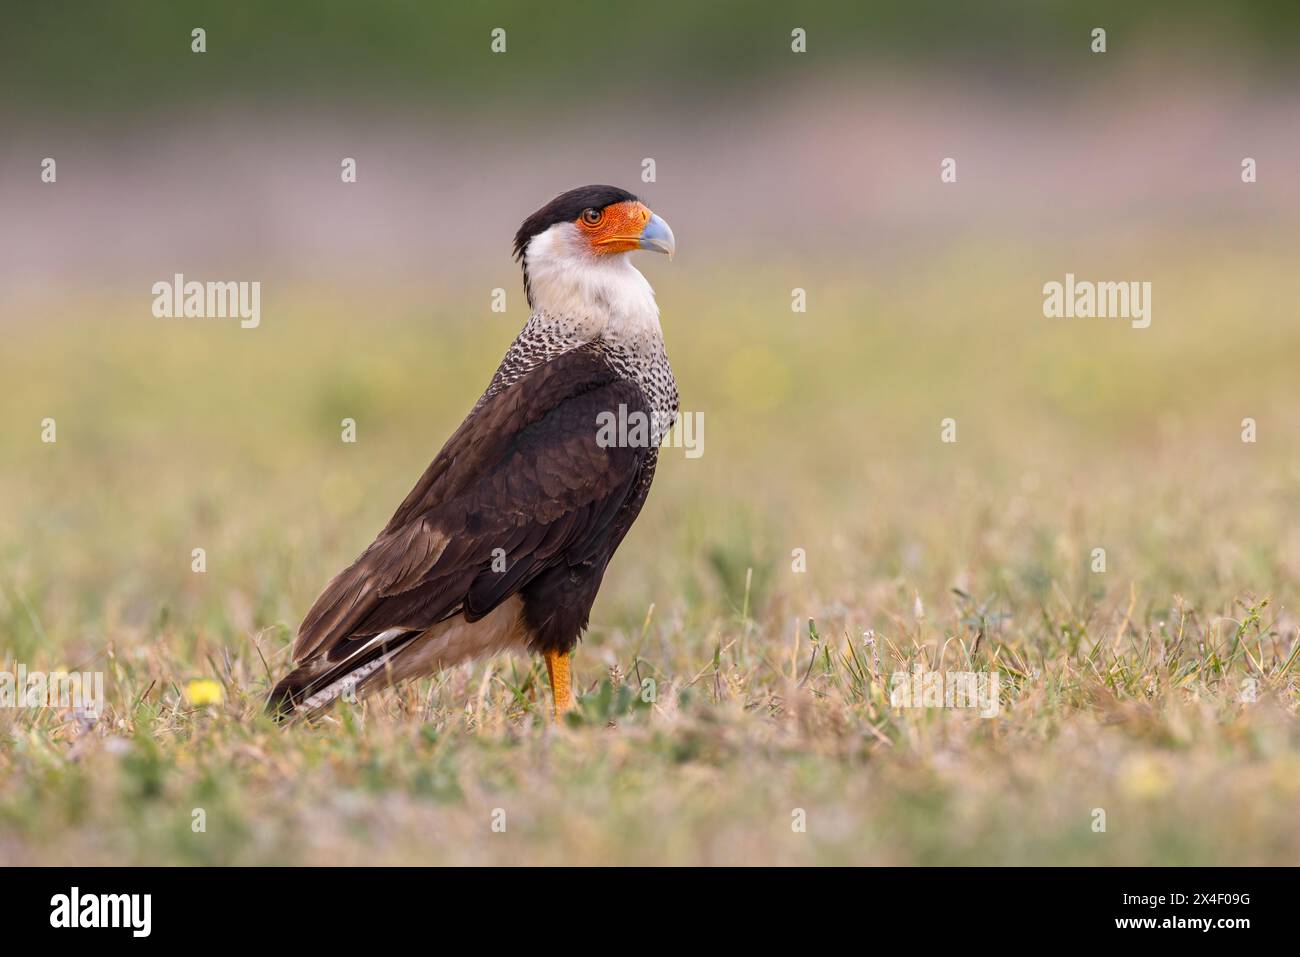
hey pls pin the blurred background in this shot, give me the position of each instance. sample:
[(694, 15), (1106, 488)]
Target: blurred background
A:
[(777, 170)]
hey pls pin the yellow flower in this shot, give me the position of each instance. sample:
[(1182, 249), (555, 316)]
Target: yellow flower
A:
[(203, 691), (1144, 778)]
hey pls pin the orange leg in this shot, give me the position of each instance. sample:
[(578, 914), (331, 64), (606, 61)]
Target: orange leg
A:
[(557, 667)]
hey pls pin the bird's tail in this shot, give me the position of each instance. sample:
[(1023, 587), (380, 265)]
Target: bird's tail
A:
[(315, 685)]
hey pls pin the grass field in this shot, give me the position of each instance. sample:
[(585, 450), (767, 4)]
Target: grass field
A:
[(1162, 691)]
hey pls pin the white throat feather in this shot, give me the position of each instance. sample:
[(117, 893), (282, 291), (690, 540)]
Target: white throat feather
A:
[(595, 295)]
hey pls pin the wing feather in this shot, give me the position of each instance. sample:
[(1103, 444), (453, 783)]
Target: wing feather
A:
[(524, 473)]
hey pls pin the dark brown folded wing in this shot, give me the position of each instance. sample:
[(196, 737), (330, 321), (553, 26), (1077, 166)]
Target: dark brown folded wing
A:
[(524, 473)]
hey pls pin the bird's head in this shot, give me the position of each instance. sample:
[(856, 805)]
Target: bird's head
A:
[(587, 230)]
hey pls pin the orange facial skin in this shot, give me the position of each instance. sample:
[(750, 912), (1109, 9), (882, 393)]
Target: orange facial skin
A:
[(618, 228)]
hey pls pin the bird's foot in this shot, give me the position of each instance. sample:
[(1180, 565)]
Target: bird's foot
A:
[(557, 668)]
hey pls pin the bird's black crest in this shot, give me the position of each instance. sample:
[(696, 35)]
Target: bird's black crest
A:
[(565, 208)]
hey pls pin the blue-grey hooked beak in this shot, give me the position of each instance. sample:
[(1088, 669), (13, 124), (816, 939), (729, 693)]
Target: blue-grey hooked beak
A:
[(658, 237)]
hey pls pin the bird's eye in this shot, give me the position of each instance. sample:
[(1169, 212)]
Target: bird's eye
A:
[(592, 217)]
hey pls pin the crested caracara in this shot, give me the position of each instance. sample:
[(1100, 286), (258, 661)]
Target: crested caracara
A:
[(504, 540)]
